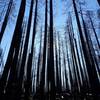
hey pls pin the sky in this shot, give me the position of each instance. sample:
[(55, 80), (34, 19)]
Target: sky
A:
[(60, 16)]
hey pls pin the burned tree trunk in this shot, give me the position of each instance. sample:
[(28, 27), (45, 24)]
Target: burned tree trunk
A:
[(50, 62)]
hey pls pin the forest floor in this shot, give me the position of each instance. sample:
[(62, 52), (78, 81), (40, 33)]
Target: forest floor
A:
[(67, 96)]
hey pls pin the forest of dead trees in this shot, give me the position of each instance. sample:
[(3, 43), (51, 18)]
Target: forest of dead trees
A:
[(43, 63)]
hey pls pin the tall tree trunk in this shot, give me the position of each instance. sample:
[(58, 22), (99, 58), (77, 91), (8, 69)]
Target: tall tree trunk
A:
[(51, 57), (21, 46), (42, 80), (28, 83), (65, 70), (30, 59), (15, 44), (69, 66), (95, 85), (57, 75), (59, 61), (39, 63), (57, 64), (6, 18)]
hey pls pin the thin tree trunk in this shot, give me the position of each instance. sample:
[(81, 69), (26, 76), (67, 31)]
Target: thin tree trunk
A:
[(21, 46), (65, 70), (30, 59), (39, 62), (70, 72), (59, 61), (51, 57), (57, 64), (42, 79)]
